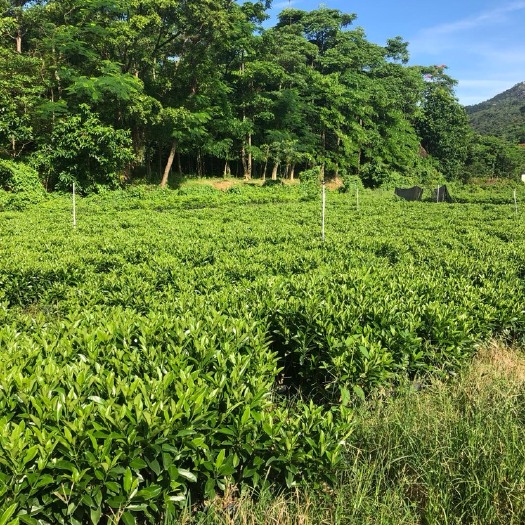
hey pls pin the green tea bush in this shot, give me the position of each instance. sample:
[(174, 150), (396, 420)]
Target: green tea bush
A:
[(22, 184), (268, 183), (126, 417), (174, 345), (310, 183), (350, 183), (394, 179)]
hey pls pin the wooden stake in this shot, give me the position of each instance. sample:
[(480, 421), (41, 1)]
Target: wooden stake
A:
[(323, 211), (74, 208)]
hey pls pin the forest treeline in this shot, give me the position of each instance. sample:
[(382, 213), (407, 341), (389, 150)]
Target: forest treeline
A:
[(100, 92)]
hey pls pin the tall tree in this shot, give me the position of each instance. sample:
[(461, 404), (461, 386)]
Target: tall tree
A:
[(443, 123)]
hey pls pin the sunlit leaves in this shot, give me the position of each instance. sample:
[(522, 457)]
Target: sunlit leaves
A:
[(178, 342)]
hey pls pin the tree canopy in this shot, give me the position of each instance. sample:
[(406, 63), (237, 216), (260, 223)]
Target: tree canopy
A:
[(101, 91)]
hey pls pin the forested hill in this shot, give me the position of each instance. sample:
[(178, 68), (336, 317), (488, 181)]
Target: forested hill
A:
[(502, 115)]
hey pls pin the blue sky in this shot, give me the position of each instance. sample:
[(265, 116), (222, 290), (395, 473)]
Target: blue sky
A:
[(481, 41)]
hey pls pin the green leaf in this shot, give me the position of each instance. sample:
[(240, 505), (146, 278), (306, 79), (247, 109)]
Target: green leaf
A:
[(220, 458), (209, 489), (187, 474), (359, 392), (7, 514), (128, 518), (245, 416), (149, 492), (95, 515), (30, 454), (155, 466), (116, 502), (113, 487), (128, 480), (27, 519), (138, 463)]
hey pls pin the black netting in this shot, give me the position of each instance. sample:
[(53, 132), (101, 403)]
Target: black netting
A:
[(410, 194), (441, 194)]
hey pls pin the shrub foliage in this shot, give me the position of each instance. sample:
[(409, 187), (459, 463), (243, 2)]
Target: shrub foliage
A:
[(165, 350)]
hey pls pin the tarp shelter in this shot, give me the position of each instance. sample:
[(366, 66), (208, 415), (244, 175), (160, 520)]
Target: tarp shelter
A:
[(410, 194), (441, 194)]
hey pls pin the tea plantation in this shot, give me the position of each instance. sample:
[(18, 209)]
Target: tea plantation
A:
[(177, 342)]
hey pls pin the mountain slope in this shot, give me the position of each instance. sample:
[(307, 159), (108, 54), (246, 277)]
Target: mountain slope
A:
[(502, 115)]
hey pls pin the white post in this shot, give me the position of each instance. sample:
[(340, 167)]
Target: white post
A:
[(74, 208), (516, 203), (323, 211), (437, 195)]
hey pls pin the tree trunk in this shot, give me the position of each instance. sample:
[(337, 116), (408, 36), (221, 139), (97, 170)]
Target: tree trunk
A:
[(244, 160), (248, 174), (292, 171), (18, 39), (337, 165), (148, 169), (274, 171), (200, 167), (179, 164), (167, 169)]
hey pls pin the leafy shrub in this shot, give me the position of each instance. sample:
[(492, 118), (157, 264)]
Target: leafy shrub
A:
[(22, 183), (271, 183), (375, 174), (235, 189), (84, 151), (144, 365), (154, 408), (19, 177), (199, 190), (350, 183), (310, 183), (428, 174)]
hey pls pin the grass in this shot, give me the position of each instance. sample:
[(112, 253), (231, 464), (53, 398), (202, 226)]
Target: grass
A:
[(450, 453)]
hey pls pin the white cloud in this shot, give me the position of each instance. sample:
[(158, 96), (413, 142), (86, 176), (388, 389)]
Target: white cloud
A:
[(483, 84), (283, 5), (514, 56), (492, 17), (465, 34), (484, 51)]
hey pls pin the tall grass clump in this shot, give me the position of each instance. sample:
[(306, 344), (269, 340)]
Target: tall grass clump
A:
[(445, 453)]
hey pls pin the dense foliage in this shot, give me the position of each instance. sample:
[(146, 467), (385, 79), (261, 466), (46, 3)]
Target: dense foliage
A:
[(140, 89), (166, 348), (502, 116), (20, 185), (450, 452)]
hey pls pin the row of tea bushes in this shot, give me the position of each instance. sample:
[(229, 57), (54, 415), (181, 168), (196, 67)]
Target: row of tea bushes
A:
[(112, 413), (154, 354)]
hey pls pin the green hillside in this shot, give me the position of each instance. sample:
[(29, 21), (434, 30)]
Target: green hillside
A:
[(502, 115)]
